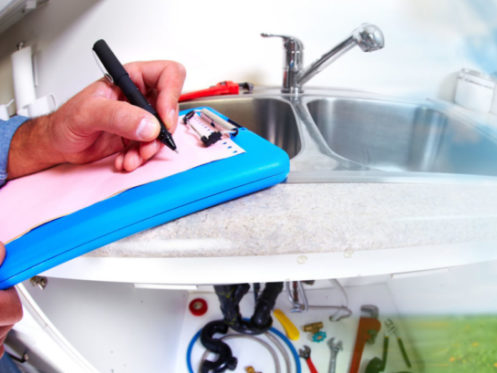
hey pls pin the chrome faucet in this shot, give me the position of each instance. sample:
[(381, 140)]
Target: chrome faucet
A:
[(368, 37)]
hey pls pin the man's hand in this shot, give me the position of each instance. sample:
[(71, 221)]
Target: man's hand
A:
[(98, 122), (10, 307)]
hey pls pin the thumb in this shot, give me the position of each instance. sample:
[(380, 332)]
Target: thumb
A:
[(122, 119)]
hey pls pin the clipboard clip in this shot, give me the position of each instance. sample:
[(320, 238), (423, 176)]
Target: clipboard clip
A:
[(209, 127)]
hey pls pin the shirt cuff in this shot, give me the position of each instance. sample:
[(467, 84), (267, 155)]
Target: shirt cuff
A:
[(7, 130)]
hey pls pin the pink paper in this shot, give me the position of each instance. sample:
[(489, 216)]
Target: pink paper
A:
[(36, 199)]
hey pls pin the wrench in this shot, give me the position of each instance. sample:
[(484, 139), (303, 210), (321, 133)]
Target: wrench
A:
[(305, 354), (334, 348), (367, 330)]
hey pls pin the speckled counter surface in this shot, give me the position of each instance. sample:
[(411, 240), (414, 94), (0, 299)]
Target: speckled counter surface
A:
[(319, 218)]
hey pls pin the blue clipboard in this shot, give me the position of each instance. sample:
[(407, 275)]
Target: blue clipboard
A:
[(261, 166)]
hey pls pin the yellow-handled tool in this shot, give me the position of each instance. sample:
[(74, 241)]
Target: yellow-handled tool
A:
[(290, 329)]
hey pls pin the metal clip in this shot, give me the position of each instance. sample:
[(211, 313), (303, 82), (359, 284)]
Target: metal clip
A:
[(102, 68), (207, 127)]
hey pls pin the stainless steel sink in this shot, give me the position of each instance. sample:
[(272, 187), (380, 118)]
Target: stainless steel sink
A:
[(344, 136), (403, 137)]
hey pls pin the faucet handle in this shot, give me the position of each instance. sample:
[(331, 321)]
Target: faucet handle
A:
[(293, 64), (290, 42)]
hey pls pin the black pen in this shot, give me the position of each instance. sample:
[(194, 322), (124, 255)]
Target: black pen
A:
[(121, 78)]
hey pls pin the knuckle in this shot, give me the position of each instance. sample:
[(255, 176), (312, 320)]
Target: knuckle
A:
[(175, 69), (181, 70)]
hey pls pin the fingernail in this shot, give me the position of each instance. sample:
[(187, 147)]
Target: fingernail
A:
[(157, 145), (147, 129), (132, 161), (172, 118), (118, 162)]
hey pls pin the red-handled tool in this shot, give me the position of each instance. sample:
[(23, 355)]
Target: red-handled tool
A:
[(368, 329), (305, 354), (222, 88)]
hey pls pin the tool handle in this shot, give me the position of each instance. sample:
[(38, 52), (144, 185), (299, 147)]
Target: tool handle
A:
[(290, 329), (311, 366), (366, 326), (221, 88), (356, 359)]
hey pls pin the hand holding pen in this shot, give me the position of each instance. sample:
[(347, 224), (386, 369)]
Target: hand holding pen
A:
[(163, 80), (120, 77), (98, 122)]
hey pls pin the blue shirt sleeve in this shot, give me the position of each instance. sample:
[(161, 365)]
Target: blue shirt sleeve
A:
[(7, 130)]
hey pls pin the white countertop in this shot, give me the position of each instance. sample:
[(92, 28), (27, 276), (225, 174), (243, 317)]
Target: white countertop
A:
[(320, 218), (302, 231)]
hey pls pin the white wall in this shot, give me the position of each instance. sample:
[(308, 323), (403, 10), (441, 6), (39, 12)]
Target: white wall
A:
[(426, 41)]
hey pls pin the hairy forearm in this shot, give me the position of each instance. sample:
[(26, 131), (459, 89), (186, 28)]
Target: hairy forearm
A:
[(30, 149)]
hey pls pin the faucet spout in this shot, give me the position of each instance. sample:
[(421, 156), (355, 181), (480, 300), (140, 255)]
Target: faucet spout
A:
[(367, 37)]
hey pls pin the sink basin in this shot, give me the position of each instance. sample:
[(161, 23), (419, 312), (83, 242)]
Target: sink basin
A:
[(346, 136), (403, 137), (271, 118)]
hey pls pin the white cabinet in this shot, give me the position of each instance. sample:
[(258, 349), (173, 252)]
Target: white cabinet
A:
[(120, 327)]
